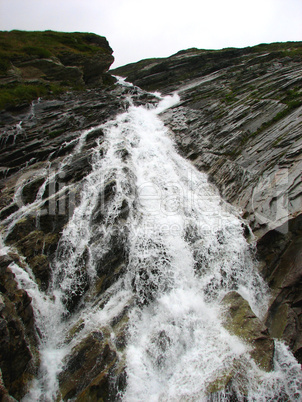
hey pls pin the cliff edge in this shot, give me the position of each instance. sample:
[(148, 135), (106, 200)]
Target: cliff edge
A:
[(34, 64)]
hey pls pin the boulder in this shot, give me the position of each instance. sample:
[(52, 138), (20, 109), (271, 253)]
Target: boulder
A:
[(51, 70), (240, 320), (93, 371)]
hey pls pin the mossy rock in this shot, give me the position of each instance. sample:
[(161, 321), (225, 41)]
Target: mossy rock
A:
[(79, 325), (89, 369), (37, 242), (40, 267), (38, 247), (240, 320), (21, 229), (221, 382), (30, 190)]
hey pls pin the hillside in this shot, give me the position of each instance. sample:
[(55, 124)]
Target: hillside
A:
[(34, 64), (169, 73)]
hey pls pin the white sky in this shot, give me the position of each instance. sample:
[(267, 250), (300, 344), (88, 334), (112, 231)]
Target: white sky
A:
[(139, 29)]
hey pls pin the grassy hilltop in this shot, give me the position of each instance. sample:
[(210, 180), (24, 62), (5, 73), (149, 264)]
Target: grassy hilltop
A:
[(34, 64)]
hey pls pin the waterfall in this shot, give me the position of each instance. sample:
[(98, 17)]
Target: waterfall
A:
[(183, 250)]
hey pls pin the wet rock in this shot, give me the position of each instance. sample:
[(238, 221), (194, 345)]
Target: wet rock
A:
[(79, 281), (146, 285), (283, 271), (92, 371), (242, 322), (30, 190), (21, 229), (73, 296), (4, 394), (112, 265), (39, 248), (18, 359), (79, 167), (105, 196)]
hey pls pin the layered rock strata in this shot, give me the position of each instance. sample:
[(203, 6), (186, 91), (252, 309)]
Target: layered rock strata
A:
[(240, 120)]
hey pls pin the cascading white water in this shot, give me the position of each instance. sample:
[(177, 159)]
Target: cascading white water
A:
[(185, 251)]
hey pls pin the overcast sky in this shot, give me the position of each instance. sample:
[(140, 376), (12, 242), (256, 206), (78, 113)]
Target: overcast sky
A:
[(138, 29)]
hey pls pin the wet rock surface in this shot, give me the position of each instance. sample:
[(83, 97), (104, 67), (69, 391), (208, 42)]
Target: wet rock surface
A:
[(18, 355), (242, 322), (90, 373), (282, 253)]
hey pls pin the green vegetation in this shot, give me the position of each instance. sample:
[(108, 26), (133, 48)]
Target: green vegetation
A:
[(4, 63), (290, 48), (19, 47), (291, 105), (24, 93), (230, 97), (20, 94), (37, 51), (56, 133)]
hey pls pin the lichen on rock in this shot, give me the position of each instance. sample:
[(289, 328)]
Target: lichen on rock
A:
[(241, 321)]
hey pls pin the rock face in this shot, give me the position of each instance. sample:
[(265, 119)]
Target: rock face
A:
[(18, 355), (239, 119), (282, 255)]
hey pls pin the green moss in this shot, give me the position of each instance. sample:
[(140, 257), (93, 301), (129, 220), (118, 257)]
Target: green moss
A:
[(20, 94), (24, 94), (4, 63), (277, 141), (19, 44), (41, 53), (56, 133), (221, 382), (17, 47), (242, 322), (291, 105), (230, 97)]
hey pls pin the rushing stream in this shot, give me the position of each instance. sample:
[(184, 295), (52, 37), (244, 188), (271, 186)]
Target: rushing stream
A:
[(183, 249)]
